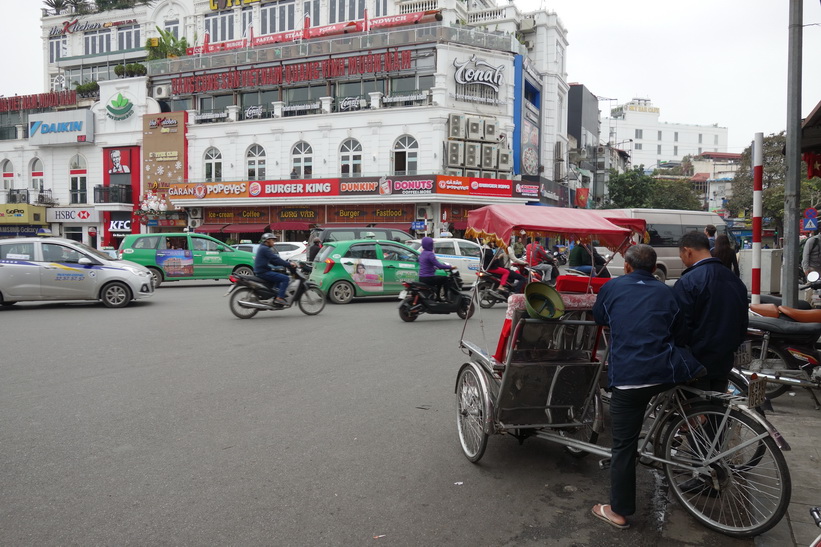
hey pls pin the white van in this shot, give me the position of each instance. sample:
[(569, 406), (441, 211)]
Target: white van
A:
[(665, 228)]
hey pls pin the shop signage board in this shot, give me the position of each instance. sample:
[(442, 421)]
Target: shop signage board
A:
[(73, 215), (68, 127)]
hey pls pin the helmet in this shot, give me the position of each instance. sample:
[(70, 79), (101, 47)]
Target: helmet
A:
[(266, 237)]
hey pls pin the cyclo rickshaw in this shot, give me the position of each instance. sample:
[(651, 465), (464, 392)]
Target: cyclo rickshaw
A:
[(547, 380)]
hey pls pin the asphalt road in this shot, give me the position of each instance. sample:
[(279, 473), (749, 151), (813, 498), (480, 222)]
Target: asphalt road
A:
[(171, 422)]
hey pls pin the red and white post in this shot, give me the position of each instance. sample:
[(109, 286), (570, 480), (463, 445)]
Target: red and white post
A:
[(758, 179)]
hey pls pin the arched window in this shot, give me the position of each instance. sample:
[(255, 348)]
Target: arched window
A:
[(302, 159), (213, 165), (77, 173), (405, 155), (37, 175), (255, 162), (350, 158), (7, 169)]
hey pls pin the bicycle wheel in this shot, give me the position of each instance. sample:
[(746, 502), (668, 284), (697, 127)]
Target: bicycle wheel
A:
[(742, 494), (586, 432), (470, 414), (775, 362)]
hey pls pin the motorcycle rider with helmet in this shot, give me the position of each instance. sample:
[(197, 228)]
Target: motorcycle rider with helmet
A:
[(264, 262)]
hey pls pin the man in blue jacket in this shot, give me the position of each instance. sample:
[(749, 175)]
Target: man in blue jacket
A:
[(644, 320), (264, 261), (714, 302)]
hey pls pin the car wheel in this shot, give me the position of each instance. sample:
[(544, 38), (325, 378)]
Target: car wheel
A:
[(6, 303), (116, 295), (156, 275), (341, 292), (660, 275), (243, 270)]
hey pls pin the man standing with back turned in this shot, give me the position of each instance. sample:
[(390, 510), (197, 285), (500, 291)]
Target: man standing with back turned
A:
[(714, 302), (644, 320)]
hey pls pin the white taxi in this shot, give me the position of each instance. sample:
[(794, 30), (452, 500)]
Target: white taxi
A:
[(462, 253), (50, 268)]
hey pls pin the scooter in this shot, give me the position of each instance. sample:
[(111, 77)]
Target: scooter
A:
[(419, 298), (785, 354), (490, 291), (251, 294), (815, 513)]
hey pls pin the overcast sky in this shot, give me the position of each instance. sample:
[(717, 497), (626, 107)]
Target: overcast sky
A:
[(701, 62)]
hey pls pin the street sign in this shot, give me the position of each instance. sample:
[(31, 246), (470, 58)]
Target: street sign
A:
[(810, 212), (418, 225), (810, 224)]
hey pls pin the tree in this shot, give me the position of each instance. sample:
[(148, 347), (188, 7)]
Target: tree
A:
[(673, 194), (629, 189), (167, 46), (59, 6)]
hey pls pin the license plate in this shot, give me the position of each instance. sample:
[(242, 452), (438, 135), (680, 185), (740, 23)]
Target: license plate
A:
[(757, 392), (743, 355), (402, 295)]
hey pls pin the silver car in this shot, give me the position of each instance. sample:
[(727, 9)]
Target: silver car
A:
[(50, 268)]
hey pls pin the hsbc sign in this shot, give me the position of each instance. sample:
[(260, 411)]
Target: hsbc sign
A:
[(85, 215)]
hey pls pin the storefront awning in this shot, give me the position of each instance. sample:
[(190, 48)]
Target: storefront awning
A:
[(208, 228), (291, 225), (244, 228)]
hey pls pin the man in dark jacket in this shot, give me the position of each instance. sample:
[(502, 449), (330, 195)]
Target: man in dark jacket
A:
[(714, 303), (644, 319), (313, 250), (264, 261)]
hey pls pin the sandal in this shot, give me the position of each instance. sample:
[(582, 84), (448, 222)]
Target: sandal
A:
[(601, 515)]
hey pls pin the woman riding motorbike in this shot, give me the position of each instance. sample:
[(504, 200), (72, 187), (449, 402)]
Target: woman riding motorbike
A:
[(497, 260), (428, 266)]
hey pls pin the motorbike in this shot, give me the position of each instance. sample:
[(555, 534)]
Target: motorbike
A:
[(785, 354), (251, 294), (419, 298), (815, 513), (560, 255)]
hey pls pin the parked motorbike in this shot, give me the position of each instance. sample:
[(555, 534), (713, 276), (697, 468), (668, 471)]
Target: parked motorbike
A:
[(815, 513), (785, 354), (251, 294), (421, 298)]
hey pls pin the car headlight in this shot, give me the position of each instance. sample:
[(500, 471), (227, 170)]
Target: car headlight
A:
[(136, 271)]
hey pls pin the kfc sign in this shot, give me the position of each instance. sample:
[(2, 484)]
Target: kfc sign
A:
[(119, 226)]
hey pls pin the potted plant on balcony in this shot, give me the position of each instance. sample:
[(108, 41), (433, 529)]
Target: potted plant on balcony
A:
[(119, 70), (88, 89)]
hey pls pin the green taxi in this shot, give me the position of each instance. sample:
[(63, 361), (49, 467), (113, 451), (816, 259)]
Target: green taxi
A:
[(364, 267), (185, 255)]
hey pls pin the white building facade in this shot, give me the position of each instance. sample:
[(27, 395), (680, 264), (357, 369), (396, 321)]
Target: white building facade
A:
[(277, 121)]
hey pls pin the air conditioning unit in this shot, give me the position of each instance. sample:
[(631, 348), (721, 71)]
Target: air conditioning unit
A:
[(456, 128), (476, 129), (473, 154), (488, 174), (529, 44), (490, 132), (162, 91), (195, 212), (423, 213), (505, 160), (456, 153), (473, 173), (600, 150), (194, 223), (489, 156), (455, 172), (527, 24)]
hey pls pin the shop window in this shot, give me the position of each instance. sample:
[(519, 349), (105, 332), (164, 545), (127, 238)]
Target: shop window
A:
[(255, 162), (36, 182), (7, 168), (213, 165), (350, 158), (302, 157), (405, 155)]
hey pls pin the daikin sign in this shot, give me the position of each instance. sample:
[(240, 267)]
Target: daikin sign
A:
[(68, 127)]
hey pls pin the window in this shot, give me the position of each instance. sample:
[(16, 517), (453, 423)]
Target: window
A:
[(466, 249), (405, 155), (395, 252), (37, 175), (173, 26), (664, 235), (715, 139), (52, 252), (699, 150), (637, 146), (659, 135), (17, 251), (8, 174), (559, 113), (658, 150), (128, 37), (560, 58), (350, 158), (444, 248), (700, 136), (57, 49), (98, 41), (220, 26), (364, 250), (639, 134), (213, 165), (255, 162), (279, 17), (310, 8), (78, 192), (346, 10), (302, 160), (247, 22), (202, 244), (675, 136), (149, 242), (381, 7), (675, 151)]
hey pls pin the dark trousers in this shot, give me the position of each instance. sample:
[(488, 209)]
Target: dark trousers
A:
[(627, 407), (435, 281), (277, 279)]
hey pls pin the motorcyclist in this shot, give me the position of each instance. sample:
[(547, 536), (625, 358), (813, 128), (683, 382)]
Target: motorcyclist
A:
[(584, 256), (534, 252), (497, 260), (264, 262), (428, 266)]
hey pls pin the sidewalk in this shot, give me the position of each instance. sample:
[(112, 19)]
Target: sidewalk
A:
[(795, 417)]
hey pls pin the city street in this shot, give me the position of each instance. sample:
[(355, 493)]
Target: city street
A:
[(173, 422)]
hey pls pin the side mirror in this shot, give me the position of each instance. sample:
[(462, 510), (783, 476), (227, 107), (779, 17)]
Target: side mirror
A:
[(812, 277), (85, 261)]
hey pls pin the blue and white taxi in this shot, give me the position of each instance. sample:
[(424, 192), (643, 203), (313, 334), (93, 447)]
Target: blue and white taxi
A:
[(49, 268), (462, 253)]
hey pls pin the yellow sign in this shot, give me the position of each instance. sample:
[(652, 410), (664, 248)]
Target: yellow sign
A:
[(217, 5), (22, 213)]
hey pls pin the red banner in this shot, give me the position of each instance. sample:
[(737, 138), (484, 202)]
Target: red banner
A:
[(581, 197)]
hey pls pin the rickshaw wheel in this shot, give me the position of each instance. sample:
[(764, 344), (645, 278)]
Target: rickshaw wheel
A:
[(470, 414), (586, 432)]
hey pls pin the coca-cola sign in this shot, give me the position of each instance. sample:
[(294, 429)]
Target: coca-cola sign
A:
[(477, 71), (253, 112), (349, 103)]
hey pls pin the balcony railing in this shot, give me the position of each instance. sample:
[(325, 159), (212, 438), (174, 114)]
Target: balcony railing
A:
[(45, 198), (112, 194), (18, 196)]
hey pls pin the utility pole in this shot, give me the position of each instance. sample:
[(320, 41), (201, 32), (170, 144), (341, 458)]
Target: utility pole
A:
[(792, 186)]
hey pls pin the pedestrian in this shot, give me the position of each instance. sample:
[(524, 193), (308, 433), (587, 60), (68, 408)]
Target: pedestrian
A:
[(313, 250), (710, 232), (811, 255), (725, 253), (714, 302), (518, 248), (644, 320)]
